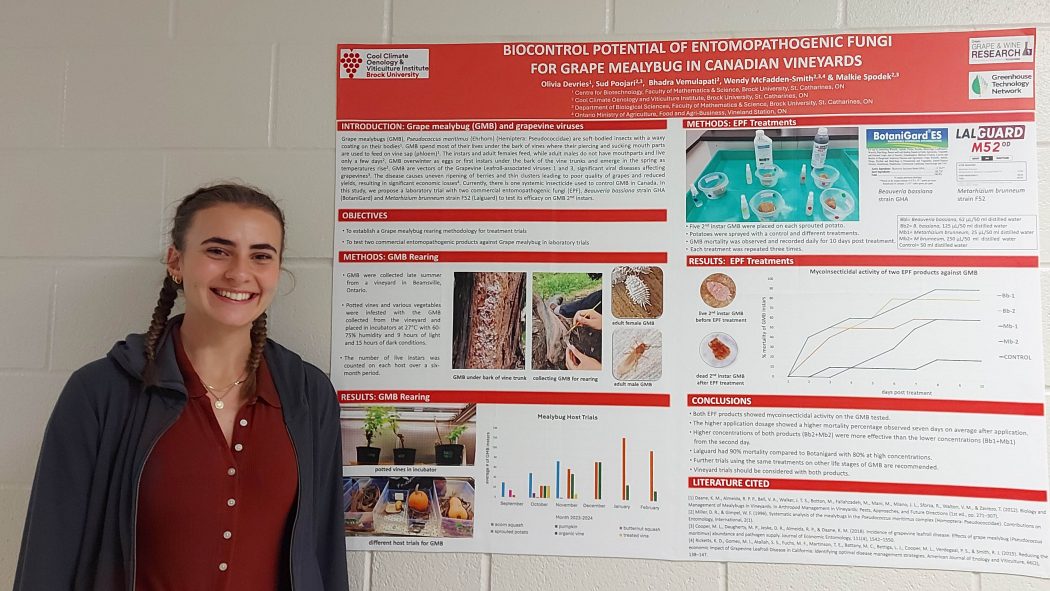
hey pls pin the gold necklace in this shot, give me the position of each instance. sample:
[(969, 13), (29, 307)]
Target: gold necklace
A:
[(219, 404)]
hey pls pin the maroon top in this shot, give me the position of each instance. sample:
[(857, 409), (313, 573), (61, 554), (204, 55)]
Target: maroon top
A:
[(211, 517)]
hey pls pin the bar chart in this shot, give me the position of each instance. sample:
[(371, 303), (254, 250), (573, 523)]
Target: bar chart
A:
[(584, 458), (566, 485), (572, 477)]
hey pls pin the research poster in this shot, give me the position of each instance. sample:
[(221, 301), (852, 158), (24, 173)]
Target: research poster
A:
[(750, 299)]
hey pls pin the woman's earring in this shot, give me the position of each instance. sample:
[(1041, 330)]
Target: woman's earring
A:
[(176, 279)]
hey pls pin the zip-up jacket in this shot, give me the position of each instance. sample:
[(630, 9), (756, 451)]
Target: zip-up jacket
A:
[(80, 526)]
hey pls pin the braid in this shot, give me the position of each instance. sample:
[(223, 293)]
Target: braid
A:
[(255, 357), (168, 292)]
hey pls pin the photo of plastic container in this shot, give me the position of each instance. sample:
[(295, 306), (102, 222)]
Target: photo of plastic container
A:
[(768, 175), (825, 176), (837, 204), (767, 205), (360, 497), (408, 511), (714, 184), (695, 194), (421, 511), (456, 504)]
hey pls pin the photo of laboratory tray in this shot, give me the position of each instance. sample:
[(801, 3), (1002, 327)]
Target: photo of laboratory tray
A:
[(726, 184), (425, 506)]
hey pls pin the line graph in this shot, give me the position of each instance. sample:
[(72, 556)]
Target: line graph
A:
[(938, 327)]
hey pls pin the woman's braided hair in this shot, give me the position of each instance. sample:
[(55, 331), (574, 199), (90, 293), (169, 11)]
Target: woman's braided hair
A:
[(199, 200)]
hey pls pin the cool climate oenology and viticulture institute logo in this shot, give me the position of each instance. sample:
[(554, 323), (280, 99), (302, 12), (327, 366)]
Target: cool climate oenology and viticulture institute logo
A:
[(349, 62), (387, 63)]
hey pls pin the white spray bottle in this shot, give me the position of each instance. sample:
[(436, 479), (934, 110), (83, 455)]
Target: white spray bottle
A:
[(763, 150), (820, 148)]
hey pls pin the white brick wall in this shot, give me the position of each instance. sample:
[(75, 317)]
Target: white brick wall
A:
[(79, 203), (845, 578), (32, 107), (638, 17), (27, 294), (110, 110), (178, 96), (463, 20)]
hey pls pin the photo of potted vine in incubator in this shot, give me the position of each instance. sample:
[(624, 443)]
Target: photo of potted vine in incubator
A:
[(450, 453), (403, 456), (488, 331), (793, 174), (567, 321), (376, 419), (404, 435), (419, 506)]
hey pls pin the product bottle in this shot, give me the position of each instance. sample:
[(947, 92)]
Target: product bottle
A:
[(763, 150), (820, 148)]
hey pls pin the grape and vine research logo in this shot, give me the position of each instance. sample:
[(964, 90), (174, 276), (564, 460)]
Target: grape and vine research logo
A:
[(998, 50)]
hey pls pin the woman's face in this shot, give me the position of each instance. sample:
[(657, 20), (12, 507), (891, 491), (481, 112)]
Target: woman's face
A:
[(230, 264)]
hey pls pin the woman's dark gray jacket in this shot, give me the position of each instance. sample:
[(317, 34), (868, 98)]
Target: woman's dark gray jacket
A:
[(80, 527)]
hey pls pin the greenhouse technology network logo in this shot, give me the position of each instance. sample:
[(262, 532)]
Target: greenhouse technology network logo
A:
[(1001, 84), (978, 86)]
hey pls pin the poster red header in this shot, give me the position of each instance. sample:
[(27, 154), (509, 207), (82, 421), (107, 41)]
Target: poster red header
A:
[(504, 397), (491, 256), (835, 74), (867, 403), (502, 215), (502, 125), (836, 120), (859, 260)]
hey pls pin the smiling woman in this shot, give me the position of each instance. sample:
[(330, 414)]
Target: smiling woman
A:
[(200, 454)]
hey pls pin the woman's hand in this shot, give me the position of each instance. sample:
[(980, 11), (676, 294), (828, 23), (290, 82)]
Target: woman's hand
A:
[(575, 360), (588, 318)]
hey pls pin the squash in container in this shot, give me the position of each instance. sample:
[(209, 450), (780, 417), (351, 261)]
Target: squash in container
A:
[(456, 510)]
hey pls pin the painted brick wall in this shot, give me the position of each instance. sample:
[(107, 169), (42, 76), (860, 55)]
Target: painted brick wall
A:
[(110, 110)]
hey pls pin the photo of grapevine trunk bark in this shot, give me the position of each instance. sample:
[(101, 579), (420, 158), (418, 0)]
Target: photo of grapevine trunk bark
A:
[(487, 325)]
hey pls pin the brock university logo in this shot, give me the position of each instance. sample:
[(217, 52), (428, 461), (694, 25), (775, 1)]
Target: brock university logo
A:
[(349, 62)]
